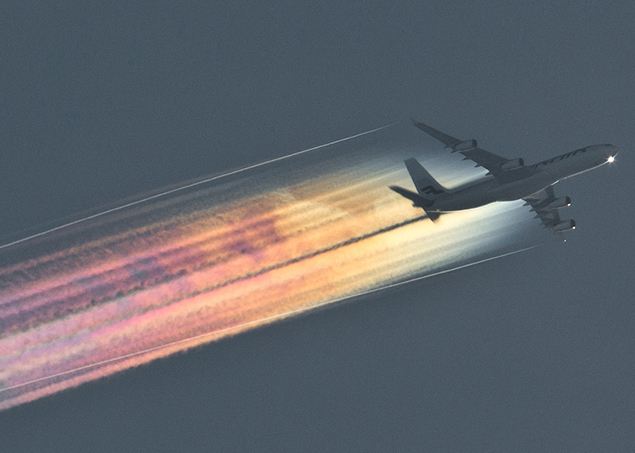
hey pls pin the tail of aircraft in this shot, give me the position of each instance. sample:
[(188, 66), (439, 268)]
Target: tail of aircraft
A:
[(425, 184), (427, 187)]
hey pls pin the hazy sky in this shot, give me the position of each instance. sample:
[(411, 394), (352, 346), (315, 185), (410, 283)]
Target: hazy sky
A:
[(101, 101)]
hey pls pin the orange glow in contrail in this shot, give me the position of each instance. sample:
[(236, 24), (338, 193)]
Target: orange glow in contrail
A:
[(137, 285)]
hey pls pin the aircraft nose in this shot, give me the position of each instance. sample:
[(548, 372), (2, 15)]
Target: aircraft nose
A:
[(608, 151), (611, 158)]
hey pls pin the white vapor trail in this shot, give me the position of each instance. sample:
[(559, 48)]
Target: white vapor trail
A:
[(224, 175), (267, 319)]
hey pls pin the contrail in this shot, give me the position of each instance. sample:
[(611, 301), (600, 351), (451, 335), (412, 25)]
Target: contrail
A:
[(214, 178), (266, 319), (170, 278)]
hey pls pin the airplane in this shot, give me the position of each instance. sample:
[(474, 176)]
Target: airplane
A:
[(506, 180)]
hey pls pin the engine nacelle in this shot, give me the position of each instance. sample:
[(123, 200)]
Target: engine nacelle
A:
[(512, 164), (559, 203), (565, 225), (465, 146)]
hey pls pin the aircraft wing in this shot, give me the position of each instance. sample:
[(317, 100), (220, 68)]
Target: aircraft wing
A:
[(549, 217), (494, 164)]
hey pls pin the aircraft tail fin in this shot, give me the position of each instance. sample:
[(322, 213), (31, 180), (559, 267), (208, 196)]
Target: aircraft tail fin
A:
[(425, 184)]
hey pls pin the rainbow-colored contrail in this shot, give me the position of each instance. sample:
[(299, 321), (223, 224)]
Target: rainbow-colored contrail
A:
[(140, 284)]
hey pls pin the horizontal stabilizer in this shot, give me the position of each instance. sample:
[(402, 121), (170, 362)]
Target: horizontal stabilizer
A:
[(416, 199)]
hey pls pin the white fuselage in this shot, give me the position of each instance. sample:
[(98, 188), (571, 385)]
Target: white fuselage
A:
[(548, 173)]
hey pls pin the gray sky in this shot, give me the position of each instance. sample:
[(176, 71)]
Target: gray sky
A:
[(100, 101)]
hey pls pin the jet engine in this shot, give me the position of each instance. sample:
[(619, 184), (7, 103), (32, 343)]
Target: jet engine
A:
[(465, 146), (559, 203), (512, 164), (564, 225)]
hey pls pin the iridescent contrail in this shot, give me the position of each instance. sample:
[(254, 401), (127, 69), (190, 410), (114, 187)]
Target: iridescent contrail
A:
[(269, 319), (188, 186), (198, 266)]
